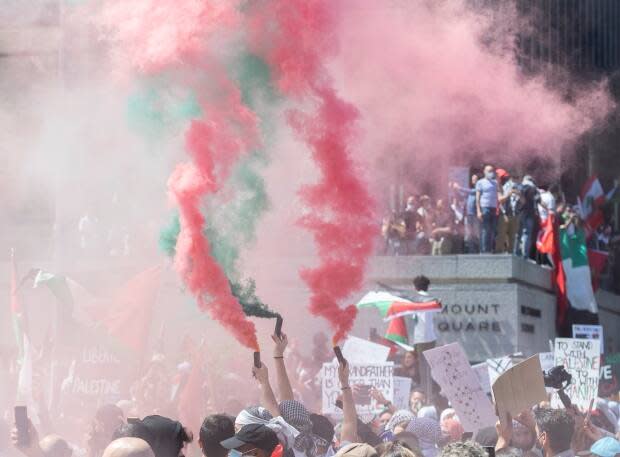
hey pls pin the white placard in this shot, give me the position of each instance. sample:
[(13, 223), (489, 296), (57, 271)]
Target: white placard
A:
[(358, 350), (482, 372), (582, 359), (459, 384), (497, 367), (590, 332), (361, 378), (402, 392), (546, 360)]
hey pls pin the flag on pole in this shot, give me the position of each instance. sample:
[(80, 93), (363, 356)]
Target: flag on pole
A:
[(131, 313), (393, 308), (577, 270), (548, 242), (591, 200)]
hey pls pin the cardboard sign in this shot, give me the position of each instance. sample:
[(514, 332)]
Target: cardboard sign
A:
[(581, 358), (362, 378), (609, 382), (519, 388), (459, 384), (402, 392), (590, 332), (358, 350), (482, 372)]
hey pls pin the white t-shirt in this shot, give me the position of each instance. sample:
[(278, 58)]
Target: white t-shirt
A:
[(548, 199)]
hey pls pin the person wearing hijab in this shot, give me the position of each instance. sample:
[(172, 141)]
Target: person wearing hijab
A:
[(258, 415), (428, 432), (296, 414), (399, 420)]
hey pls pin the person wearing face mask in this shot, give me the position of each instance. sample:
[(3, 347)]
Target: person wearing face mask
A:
[(554, 432), (254, 440), (486, 208)]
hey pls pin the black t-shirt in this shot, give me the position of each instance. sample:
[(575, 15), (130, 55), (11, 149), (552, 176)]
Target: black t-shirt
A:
[(529, 201)]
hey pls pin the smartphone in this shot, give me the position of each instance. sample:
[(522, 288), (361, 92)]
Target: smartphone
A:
[(467, 436), (279, 321), (21, 424), (339, 356), (133, 420), (257, 363)]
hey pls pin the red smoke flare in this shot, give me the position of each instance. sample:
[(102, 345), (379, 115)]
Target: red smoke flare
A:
[(194, 262), (341, 208)]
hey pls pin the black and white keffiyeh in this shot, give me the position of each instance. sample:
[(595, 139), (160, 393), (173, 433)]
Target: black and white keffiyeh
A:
[(298, 416)]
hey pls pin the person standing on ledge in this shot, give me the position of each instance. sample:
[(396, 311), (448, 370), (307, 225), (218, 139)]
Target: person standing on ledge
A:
[(486, 207)]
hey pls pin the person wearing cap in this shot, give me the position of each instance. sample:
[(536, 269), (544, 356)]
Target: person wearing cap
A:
[(507, 221), (527, 212), (606, 447), (255, 440)]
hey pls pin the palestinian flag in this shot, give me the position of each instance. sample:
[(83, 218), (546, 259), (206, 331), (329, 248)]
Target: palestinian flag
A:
[(126, 314), (577, 270), (393, 308), (591, 200), (548, 242)]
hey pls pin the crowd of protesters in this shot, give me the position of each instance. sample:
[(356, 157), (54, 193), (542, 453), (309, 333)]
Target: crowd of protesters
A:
[(280, 423), (498, 213)]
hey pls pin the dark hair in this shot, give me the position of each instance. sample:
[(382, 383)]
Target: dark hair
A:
[(395, 449), (165, 436), (421, 282), (215, 429), (322, 427), (459, 449), (409, 440), (558, 426)]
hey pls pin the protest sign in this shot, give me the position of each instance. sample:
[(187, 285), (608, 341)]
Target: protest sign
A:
[(497, 367), (362, 377), (519, 388), (589, 332), (609, 382), (402, 392), (459, 384), (581, 358), (482, 372), (546, 360), (358, 350)]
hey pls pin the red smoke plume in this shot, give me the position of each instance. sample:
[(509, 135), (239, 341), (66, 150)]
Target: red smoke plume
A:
[(204, 277), (341, 209)]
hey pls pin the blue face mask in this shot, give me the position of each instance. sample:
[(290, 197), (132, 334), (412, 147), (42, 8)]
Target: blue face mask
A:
[(236, 453)]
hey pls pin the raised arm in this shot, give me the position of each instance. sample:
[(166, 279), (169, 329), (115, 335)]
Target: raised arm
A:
[(349, 421), (284, 383), (267, 398)]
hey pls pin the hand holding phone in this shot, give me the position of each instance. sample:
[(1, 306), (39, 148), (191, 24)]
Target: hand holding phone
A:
[(257, 362)]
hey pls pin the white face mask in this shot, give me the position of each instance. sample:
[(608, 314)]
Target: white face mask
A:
[(489, 175)]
